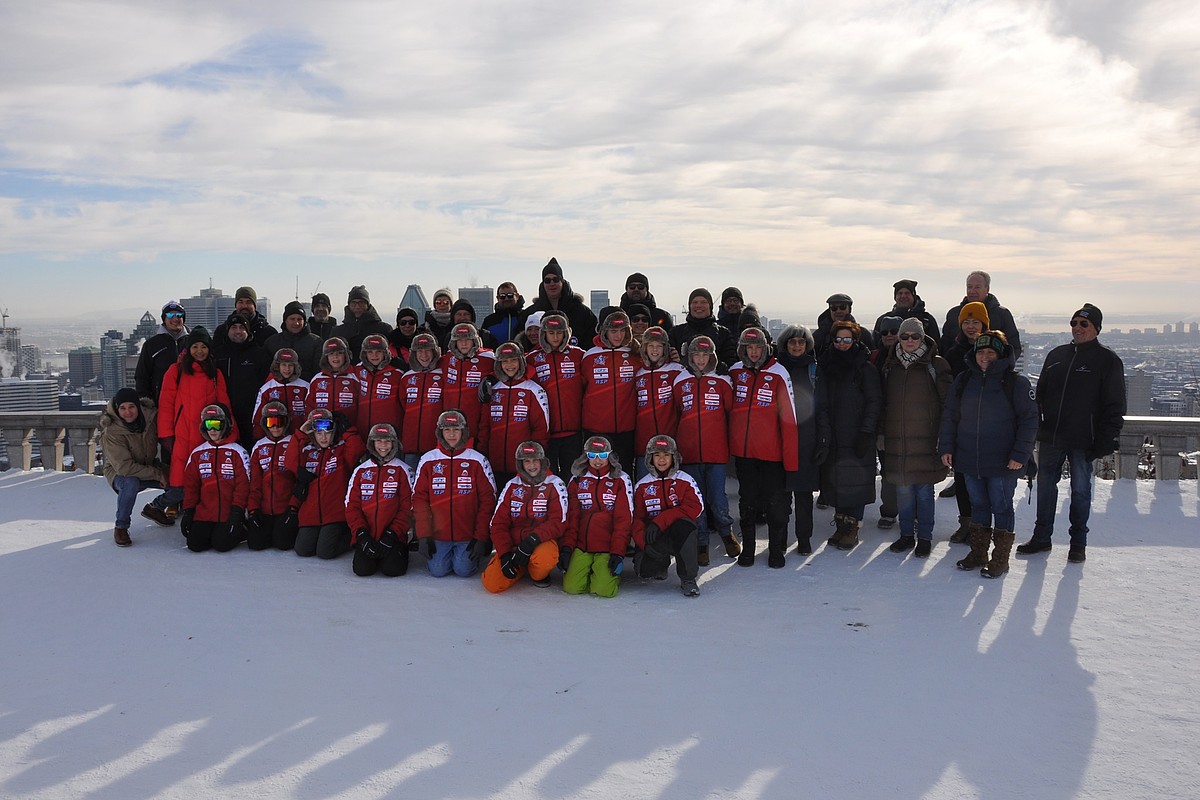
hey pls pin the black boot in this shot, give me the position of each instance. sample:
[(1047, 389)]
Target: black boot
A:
[(903, 544), (749, 532), (776, 545)]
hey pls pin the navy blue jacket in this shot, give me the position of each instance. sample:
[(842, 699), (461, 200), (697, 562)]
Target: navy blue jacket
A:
[(981, 429)]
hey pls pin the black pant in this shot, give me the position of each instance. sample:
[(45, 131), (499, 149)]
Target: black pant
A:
[(804, 515), (562, 452), (219, 536), (326, 541), (271, 532), (678, 540), (622, 444), (761, 487), (394, 564)]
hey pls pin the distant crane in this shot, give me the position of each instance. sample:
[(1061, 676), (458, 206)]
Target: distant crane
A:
[(3, 317)]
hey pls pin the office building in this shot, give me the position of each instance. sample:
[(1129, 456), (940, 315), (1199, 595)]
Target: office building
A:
[(599, 301), (481, 299), (414, 298)]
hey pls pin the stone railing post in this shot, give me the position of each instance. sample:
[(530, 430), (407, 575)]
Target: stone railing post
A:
[(20, 446), (51, 440), (83, 448), (1128, 454)]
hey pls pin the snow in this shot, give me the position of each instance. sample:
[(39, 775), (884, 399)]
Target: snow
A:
[(153, 672)]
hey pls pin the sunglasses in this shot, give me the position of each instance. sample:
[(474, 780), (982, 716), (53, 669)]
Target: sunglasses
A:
[(506, 296), (274, 422), (407, 323), (843, 339), (174, 315), (214, 424), (892, 332), (840, 307), (551, 279), (1079, 323), (637, 287), (640, 318), (323, 425), (910, 337), (598, 454)]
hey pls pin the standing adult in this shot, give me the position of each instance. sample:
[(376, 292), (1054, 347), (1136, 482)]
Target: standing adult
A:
[(972, 322), (637, 292), (320, 323), (246, 367), (160, 351), (797, 357), (129, 438), (297, 336), (732, 306), (504, 323), (437, 319), (840, 309), (555, 294), (908, 304), (401, 338), (700, 321), (1081, 403), (463, 311), (360, 320), (979, 290), (245, 305)]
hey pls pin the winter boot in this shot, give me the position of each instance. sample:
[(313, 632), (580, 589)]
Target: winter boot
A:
[(1034, 546), (924, 546), (749, 532), (903, 544), (1077, 554), (121, 537), (962, 535), (776, 545), (980, 538), (848, 539), (998, 565), (157, 515), (733, 548), (804, 546), (702, 556)]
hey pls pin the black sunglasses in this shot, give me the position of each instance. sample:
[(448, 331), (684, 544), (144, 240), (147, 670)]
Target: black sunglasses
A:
[(551, 279), (637, 287), (505, 296), (840, 307), (908, 337), (1082, 323)]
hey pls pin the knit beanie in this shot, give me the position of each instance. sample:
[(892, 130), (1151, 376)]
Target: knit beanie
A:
[(293, 308), (200, 334), (1091, 314), (904, 284), (731, 291), (701, 292), (912, 325), (552, 268), (974, 311), (247, 293), (359, 293), (320, 299), (637, 277)]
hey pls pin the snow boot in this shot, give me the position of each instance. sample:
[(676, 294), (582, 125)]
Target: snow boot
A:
[(885, 523), (848, 538), (1034, 546), (689, 589), (924, 546), (903, 544), (1077, 554), (980, 538), (121, 537), (749, 532), (702, 556), (804, 546), (733, 548), (963, 534), (998, 564), (776, 545)]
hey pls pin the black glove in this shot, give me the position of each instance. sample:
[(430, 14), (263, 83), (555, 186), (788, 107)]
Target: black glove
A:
[(237, 519), (509, 564), (652, 533), (616, 562), (303, 479), (479, 549), (528, 545), (821, 452), (290, 523), (564, 557), (864, 444), (185, 521), (365, 544), (1101, 449), (254, 520), (485, 388), (426, 547), (387, 540)]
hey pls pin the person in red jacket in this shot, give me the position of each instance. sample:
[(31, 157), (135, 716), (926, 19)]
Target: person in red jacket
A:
[(191, 383), (464, 368), (285, 386), (557, 366), (702, 401), (335, 387), (269, 518), (323, 454), (216, 486), (608, 391), (599, 522), (421, 392), (453, 501), (379, 506), (528, 522), (379, 386), (764, 441), (652, 389), (517, 411), (666, 505)]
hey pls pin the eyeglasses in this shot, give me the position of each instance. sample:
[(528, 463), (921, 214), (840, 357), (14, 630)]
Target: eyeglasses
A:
[(843, 339), (506, 296), (637, 287), (839, 307), (323, 425), (551, 279), (598, 454), (640, 318), (1081, 323), (407, 323), (214, 424), (911, 337)]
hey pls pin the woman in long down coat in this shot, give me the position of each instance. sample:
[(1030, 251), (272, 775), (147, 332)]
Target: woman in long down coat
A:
[(191, 383), (849, 401), (796, 355)]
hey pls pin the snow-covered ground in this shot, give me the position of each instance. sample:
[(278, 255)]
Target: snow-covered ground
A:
[(154, 672)]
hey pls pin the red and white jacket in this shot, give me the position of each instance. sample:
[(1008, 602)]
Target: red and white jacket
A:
[(460, 380), (270, 480), (216, 478), (762, 420), (454, 495), (380, 498), (524, 509), (608, 396), (599, 512), (665, 501), (517, 413), (560, 373), (293, 395), (703, 403), (332, 466), (655, 404), (379, 397), (335, 392), (421, 395)]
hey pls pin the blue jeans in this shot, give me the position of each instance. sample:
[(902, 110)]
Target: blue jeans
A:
[(711, 480), (1050, 464), (412, 459), (915, 508), (127, 488), (451, 557), (992, 500)]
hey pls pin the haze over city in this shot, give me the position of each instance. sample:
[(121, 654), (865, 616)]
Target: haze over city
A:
[(792, 150)]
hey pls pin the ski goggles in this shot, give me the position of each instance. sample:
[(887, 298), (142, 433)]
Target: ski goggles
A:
[(274, 422), (214, 424), (322, 425)]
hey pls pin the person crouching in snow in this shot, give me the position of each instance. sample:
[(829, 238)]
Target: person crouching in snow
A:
[(528, 523), (379, 506), (324, 453), (270, 519), (453, 500), (216, 486), (599, 521), (666, 505)]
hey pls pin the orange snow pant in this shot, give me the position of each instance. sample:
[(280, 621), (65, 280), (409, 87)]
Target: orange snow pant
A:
[(544, 559)]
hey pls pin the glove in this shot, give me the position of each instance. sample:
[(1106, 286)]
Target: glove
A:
[(864, 444), (485, 388), (365, 544), (237, 522), (1101, 449), (616, 562), (564, 558), (652, 533), (479, 549), (254, 520), (185, 521), (528, 545), (426, 547), (303, 479), (509, 565), (387, 541), (167, 443), (821, 452), (290, 523)]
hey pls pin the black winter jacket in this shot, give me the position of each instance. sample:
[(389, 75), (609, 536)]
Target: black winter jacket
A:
[(849, 402), (1081, 398)]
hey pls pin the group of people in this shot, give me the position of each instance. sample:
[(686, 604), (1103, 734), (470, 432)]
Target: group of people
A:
[(547, 436)]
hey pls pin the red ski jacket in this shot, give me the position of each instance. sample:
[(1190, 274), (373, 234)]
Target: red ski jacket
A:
[(664, 500), (608, 399), (421, 397), (380, 498), (762, 420), (332, 466), (703, 405), (560, 373), (216, 478), (525, 509), (599, 513), (379, 397), (270, 481), (461, 379), (454, 495), (655, 404), (518, 413)]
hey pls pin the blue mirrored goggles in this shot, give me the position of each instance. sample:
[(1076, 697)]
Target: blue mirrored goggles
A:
[(322, 425), (598, 454)]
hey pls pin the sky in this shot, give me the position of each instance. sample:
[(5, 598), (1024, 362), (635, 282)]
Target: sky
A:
[(154, 672), (792, 149)]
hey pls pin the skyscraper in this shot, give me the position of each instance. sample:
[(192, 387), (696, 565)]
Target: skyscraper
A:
[(112, 362), (599, 301), (414, 298), (84, 365), (480, 298)]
